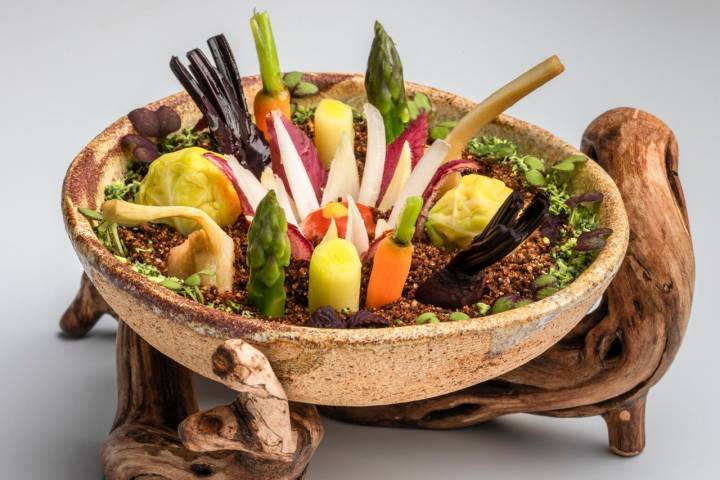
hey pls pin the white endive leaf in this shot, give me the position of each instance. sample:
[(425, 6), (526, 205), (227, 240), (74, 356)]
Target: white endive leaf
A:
[(284, 200), (381, 227), (251, 187), (375, 157), (399, 178), (355, 232), (420, 177), (343, 180), (332, 231), (300, 185)]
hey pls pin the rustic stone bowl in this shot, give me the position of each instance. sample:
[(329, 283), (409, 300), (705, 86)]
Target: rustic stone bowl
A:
[(343, 367)]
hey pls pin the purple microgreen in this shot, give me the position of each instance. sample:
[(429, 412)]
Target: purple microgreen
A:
[(586, 198), (552, 226), (326, 317), (593, 240), (365, 319)]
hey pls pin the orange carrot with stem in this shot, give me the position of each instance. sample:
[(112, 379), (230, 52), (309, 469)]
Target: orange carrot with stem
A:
[(391, 263), (274, 95)]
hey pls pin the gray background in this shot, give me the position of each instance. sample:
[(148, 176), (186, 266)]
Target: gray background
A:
[(70, 68)]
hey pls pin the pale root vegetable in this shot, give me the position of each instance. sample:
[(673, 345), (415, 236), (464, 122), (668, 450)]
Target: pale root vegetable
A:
[(334, 278), (356, 231), (498, 102), (333, 118), (420, 177), (399, 178), (374, 158), (212, 250), (343, 179)]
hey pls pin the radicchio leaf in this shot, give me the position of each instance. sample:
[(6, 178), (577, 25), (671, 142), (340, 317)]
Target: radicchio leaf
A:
[(224, 167), (300, 246), (593, 240), (589, 197), (305, 148), (433, 188), (415, 133)]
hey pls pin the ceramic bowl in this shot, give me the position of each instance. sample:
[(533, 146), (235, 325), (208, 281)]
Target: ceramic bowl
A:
[(343, 367)]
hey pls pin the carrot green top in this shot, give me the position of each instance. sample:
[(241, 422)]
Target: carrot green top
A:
[(267, 53), (406, 226)]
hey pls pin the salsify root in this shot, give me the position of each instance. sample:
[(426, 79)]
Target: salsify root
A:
[(213, 249), (498, 102)]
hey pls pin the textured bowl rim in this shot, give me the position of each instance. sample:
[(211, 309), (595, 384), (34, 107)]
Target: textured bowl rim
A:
[(215, 323)]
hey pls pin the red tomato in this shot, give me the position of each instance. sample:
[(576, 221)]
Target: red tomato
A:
[(316, 224)]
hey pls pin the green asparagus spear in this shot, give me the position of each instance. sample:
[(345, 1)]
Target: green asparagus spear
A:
[(267, 256), (384, 84)]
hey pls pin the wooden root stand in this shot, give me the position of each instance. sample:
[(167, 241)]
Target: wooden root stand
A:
[(604, 366)]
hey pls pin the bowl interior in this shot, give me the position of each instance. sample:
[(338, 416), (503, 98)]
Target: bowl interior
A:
[(344, 367)]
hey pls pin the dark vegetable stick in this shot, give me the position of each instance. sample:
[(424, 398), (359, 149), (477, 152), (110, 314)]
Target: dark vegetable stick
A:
[(217, 91), (462, 280)]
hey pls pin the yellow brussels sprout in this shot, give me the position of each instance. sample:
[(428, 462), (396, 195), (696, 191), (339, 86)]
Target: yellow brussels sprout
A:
[(464, 211), (187, 178)]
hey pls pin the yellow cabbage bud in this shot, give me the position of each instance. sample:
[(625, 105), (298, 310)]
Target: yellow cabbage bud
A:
[(187, 178), (465, 210)]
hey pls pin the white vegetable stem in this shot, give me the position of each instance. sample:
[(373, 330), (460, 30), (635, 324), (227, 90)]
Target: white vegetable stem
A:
[(420, 177), (300, 185), (399, 178), (355, 231), (343, 180), (375, 158), (251, 187), (498, 102)]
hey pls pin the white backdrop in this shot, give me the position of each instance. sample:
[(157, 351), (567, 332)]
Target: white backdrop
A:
[(70, 68)]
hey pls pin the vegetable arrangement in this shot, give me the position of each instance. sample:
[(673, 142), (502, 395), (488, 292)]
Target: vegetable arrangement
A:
[(276, 217)]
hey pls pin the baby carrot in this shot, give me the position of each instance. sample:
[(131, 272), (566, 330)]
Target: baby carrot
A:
[(391, 263), (274, 95)]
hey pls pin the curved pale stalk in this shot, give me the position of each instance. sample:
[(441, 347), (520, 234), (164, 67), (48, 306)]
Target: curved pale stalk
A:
[(300, 184), (498, 102), (375, 157), (420, 177), (221, 246)]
